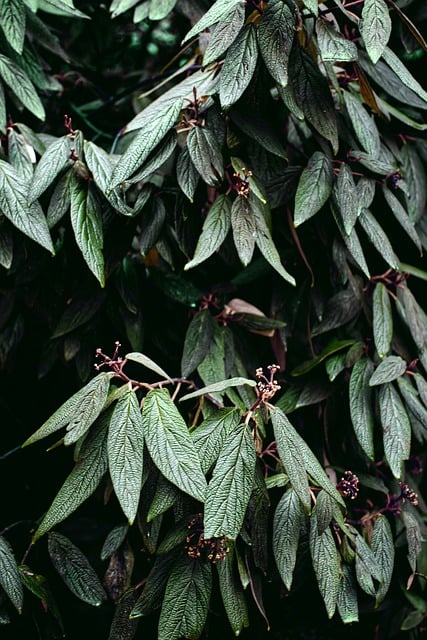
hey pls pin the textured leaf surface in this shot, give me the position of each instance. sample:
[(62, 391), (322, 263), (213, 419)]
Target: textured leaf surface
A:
[(275, 34), (363, 125), (12, 13), (239, 67), (389, 369), (382, 319), (211, 434), (347, 596), (219, 10), (53, 161), (170, 444), (125, 446), (75, 569), (361, 409), (232, 594), (383, 548), (197, 341), (396, 428), (244, 229), (231, 485), (215, 229), (288, 518), (333, 45), (413, 536), (379, 239), (402, 216), (326, 565), (10, 579), (219, 386), (205, 153), (375, 27), (148, 363), (224, 34), (18, 81), (314, 187)]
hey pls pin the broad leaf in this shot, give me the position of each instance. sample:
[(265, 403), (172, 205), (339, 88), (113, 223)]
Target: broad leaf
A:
[(186, 174), (379, 239), (275, 33), (197, 341), (326, 564), (403, 74), (125, 446), (396, 428), (314, 187), (383, 548), (205, 153), (224, 34), (161, 8), (239, 67), (333, 45), (219, 386), (75, 570), (375, 27), (345, 198), (413, 536), (148, 363), (363, 125), (382, 319), (12, 14), (232, 593), (288, 519), (218, 11), (53, 161), (231, 485), (215, 229), (152, 596), (389, 369), (170, 444), (211, 434), (361, 409), (10, 579), (114, 540), (347, 596), (20, 84), (414, 171), (402, 216), (244, 228)]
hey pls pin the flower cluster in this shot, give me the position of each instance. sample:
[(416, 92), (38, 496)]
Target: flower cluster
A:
[(406, 493), (348, 486), (267, 387), (214, 549)]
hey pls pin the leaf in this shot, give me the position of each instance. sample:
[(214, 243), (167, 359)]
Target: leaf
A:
[(146, 362), (218, 387), (63, 7), (232, 594), (170, 444), (165, 496), (244, 229), (396, 428), (114, 540), (383, 548), (186, 174), (157, 159), (401, 216), (224, 34), (20, 84), (10, 579), (333, 45), (313, 96), (414, 173), (314, 187), (205, 153), (197, 341), (218, 11), (363, 125), (361, 405), (340, 309), (125, 446), (160, 9), (345, 197), (13, 204), (239, 67), (231, 485), (21, 154), (403, 74), (288, 519), (375, 27), (12, 13), (211, 434), (54, 160), (347, 596), (379, 239), (389, 369), (75, 570), (275, 34), (367, 566), (326, 564), (215, 229), (85, 477), (331, 347), (415, 319), (160, 123), (413, 536), (186, 600), (152, 596)]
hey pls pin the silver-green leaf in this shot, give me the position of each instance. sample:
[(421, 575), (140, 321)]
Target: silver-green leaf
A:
[(396, 428), (314, 187), (375, 27), (288, 519), (10, 579), (361, 409), (326, 564)]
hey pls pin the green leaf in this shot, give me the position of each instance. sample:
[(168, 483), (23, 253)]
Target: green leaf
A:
[(186, 174), (375, 27), (197, 341), (12, 13), (186, 601), (313, 95), (218, 11), (152, 596), (86, 221), (275, 33), (61, 7), (239, 67), (157, 158), (20, 84), (83, 479), (53, 161), (403, 74), (224, 34), (379, 239), (13, 204), (148, 363), (170, 444), (10, 579), (59, 203), (413, 536), (383, 548), (345, 197), (389, 369), (396, 428), (114, 540), (19, 152), (416, 320), (314, 187), (211, 434), (414, 172), (215, 229), (361, 405), (244, 228), (333, 45), (233, 596), (326, 564), (331, 347), (401, 216), (78, 412), (120, 6), (161, 8), (165, 496), (75, 570), (160, 123), (288, 519), (205, 153), (347, 596), (363, 125), (125, 446), (231, 485), (218, 387)]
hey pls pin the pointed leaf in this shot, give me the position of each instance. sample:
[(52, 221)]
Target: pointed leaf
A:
[(363, 125), (231, 485), (161, 8), (414, 172), (383, 548), (379, 239), (244, 228), (401, 215), (413, 536), (389, 369), (403, 74), (187, 174), (148, 363), (288, 519), (114, 540), (333, 45), (125, 446), (275, 33), (10, 579), (18, 81), (211, 434), (218, 387), (314, 187), (232, 593), (382, 319), (347, 596), (224, 34), (53, 161), (345, 197), (375, 27), (170, 444), (218, 11), (396, 428), (12, 14), (205, 153), (215, 229), (361, 410), (197, 341), (152, 596), (239, 67), (326, 564)]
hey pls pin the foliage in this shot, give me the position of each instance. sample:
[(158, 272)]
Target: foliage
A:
[(220, 185)]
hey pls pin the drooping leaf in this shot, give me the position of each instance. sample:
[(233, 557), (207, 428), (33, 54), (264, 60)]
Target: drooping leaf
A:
[(367, 567), (375, 27), (275, 34), (224, 34), (60, 201), (232, 593), (352, 242), (314, 187), (75, 569), (170, 444), (413, 536), (395, 63), (231, 485), (345, 198), (187, 174), (197, 341), (333, 45), (21, 154), (361, 410), (396, 428), (413, 170), (415, 319), (383, 548), (402, 216), (239, 67), (114, 540), (82, 481), (160, 9), (379, 239), (382, 319), (288, 519), (218, 11), (54, 160), (363, 125), (186, 601), (62, 7), (244, 228), (148, 363), (20, 84), (125, 453), (12, 14), (211, 434), (165, 496), (215, 229), (10, 579), (389, 369), (205, 153), (347, 596), (218, 387), (326, 564)]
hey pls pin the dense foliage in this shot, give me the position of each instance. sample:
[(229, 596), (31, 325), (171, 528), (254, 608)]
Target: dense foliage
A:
[(212, 226)]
